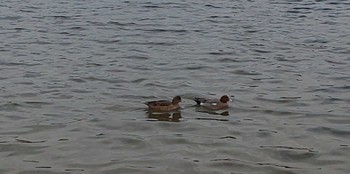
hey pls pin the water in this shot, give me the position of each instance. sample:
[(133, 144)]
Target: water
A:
[(75, 74)]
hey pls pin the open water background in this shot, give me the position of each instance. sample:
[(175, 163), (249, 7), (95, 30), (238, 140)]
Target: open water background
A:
[(74, 76)]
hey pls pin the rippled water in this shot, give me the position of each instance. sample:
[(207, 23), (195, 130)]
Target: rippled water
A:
[(75, 74)]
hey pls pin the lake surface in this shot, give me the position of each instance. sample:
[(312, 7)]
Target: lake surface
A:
[(75, 75)]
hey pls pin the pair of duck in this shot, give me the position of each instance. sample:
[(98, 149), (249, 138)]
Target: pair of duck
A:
[(165, 105)]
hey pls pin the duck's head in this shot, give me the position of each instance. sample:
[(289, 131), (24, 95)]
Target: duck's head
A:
[(225, 99), (176, 100)]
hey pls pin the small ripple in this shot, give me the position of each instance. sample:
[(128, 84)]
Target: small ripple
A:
[(113, 81), (136, 57), (121, 23), (21, 149), (261, 51), (37, 104), (335, 62), (10, 18), (221, 53), (211, 119), (244, 72), (151, 6), (79, 80), (10, 106), (159, 30), (18, 64), (29, 141), (77, 28), (330, 131), (111, 41)]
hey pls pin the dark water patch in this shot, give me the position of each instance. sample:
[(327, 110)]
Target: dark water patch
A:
[(221, 53), (10, 18), (78, 28), (111, 41), (9, 106), (161, 30), (211, 119), (245, 72), (74, 170), (212, 6), (60, 17), (233, 60), (139, 80), (17, 64), (266, 130), (235, 164), (78, 80), (278, 101), (303, 8), (261, 51), (170, 117), (32, 74), (217, 16), (340, 121), (31, 161), (154, 43), (21, 149), (289, 59), (228, 137), (41, 172), (277, 112), (291, 155), (290, 148), (112, 81), (218, 113), (314, 89), (331, 100), (330, 131), (121, 23), (290, 98), (37, 104), (136, 57), (151, 6), (335, 62), (43, 167)]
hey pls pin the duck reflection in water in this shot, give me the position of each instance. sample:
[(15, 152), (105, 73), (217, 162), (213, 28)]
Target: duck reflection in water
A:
[(165, 116), (213, 112), (213, 106)]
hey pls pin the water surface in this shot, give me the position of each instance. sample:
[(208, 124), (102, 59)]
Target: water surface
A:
[(75, 74)]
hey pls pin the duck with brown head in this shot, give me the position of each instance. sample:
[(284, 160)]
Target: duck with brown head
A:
[(213, 104), (164, 105)]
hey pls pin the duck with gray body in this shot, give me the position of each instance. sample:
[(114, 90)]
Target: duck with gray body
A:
[(213, 104)]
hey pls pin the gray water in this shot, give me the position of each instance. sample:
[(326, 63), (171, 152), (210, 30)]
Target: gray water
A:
[(75, 75)]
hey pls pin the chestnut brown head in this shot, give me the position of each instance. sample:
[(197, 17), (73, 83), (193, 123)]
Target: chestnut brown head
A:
[(224, 99), (176, 100)]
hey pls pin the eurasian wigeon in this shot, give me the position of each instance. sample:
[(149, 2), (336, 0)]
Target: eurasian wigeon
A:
[(213, 104), (164, 105)]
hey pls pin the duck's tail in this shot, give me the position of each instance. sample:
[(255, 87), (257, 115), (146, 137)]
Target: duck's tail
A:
[(199, 101)]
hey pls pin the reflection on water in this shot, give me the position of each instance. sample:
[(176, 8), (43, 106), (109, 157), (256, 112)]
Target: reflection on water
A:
[(164, 116), (212, 112)]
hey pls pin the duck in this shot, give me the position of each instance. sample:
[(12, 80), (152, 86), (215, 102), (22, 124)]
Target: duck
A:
[(213, 104), (164, 105)]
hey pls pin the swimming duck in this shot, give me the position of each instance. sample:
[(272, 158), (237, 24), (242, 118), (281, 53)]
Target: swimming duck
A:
[(213, 104), (164, 105)]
